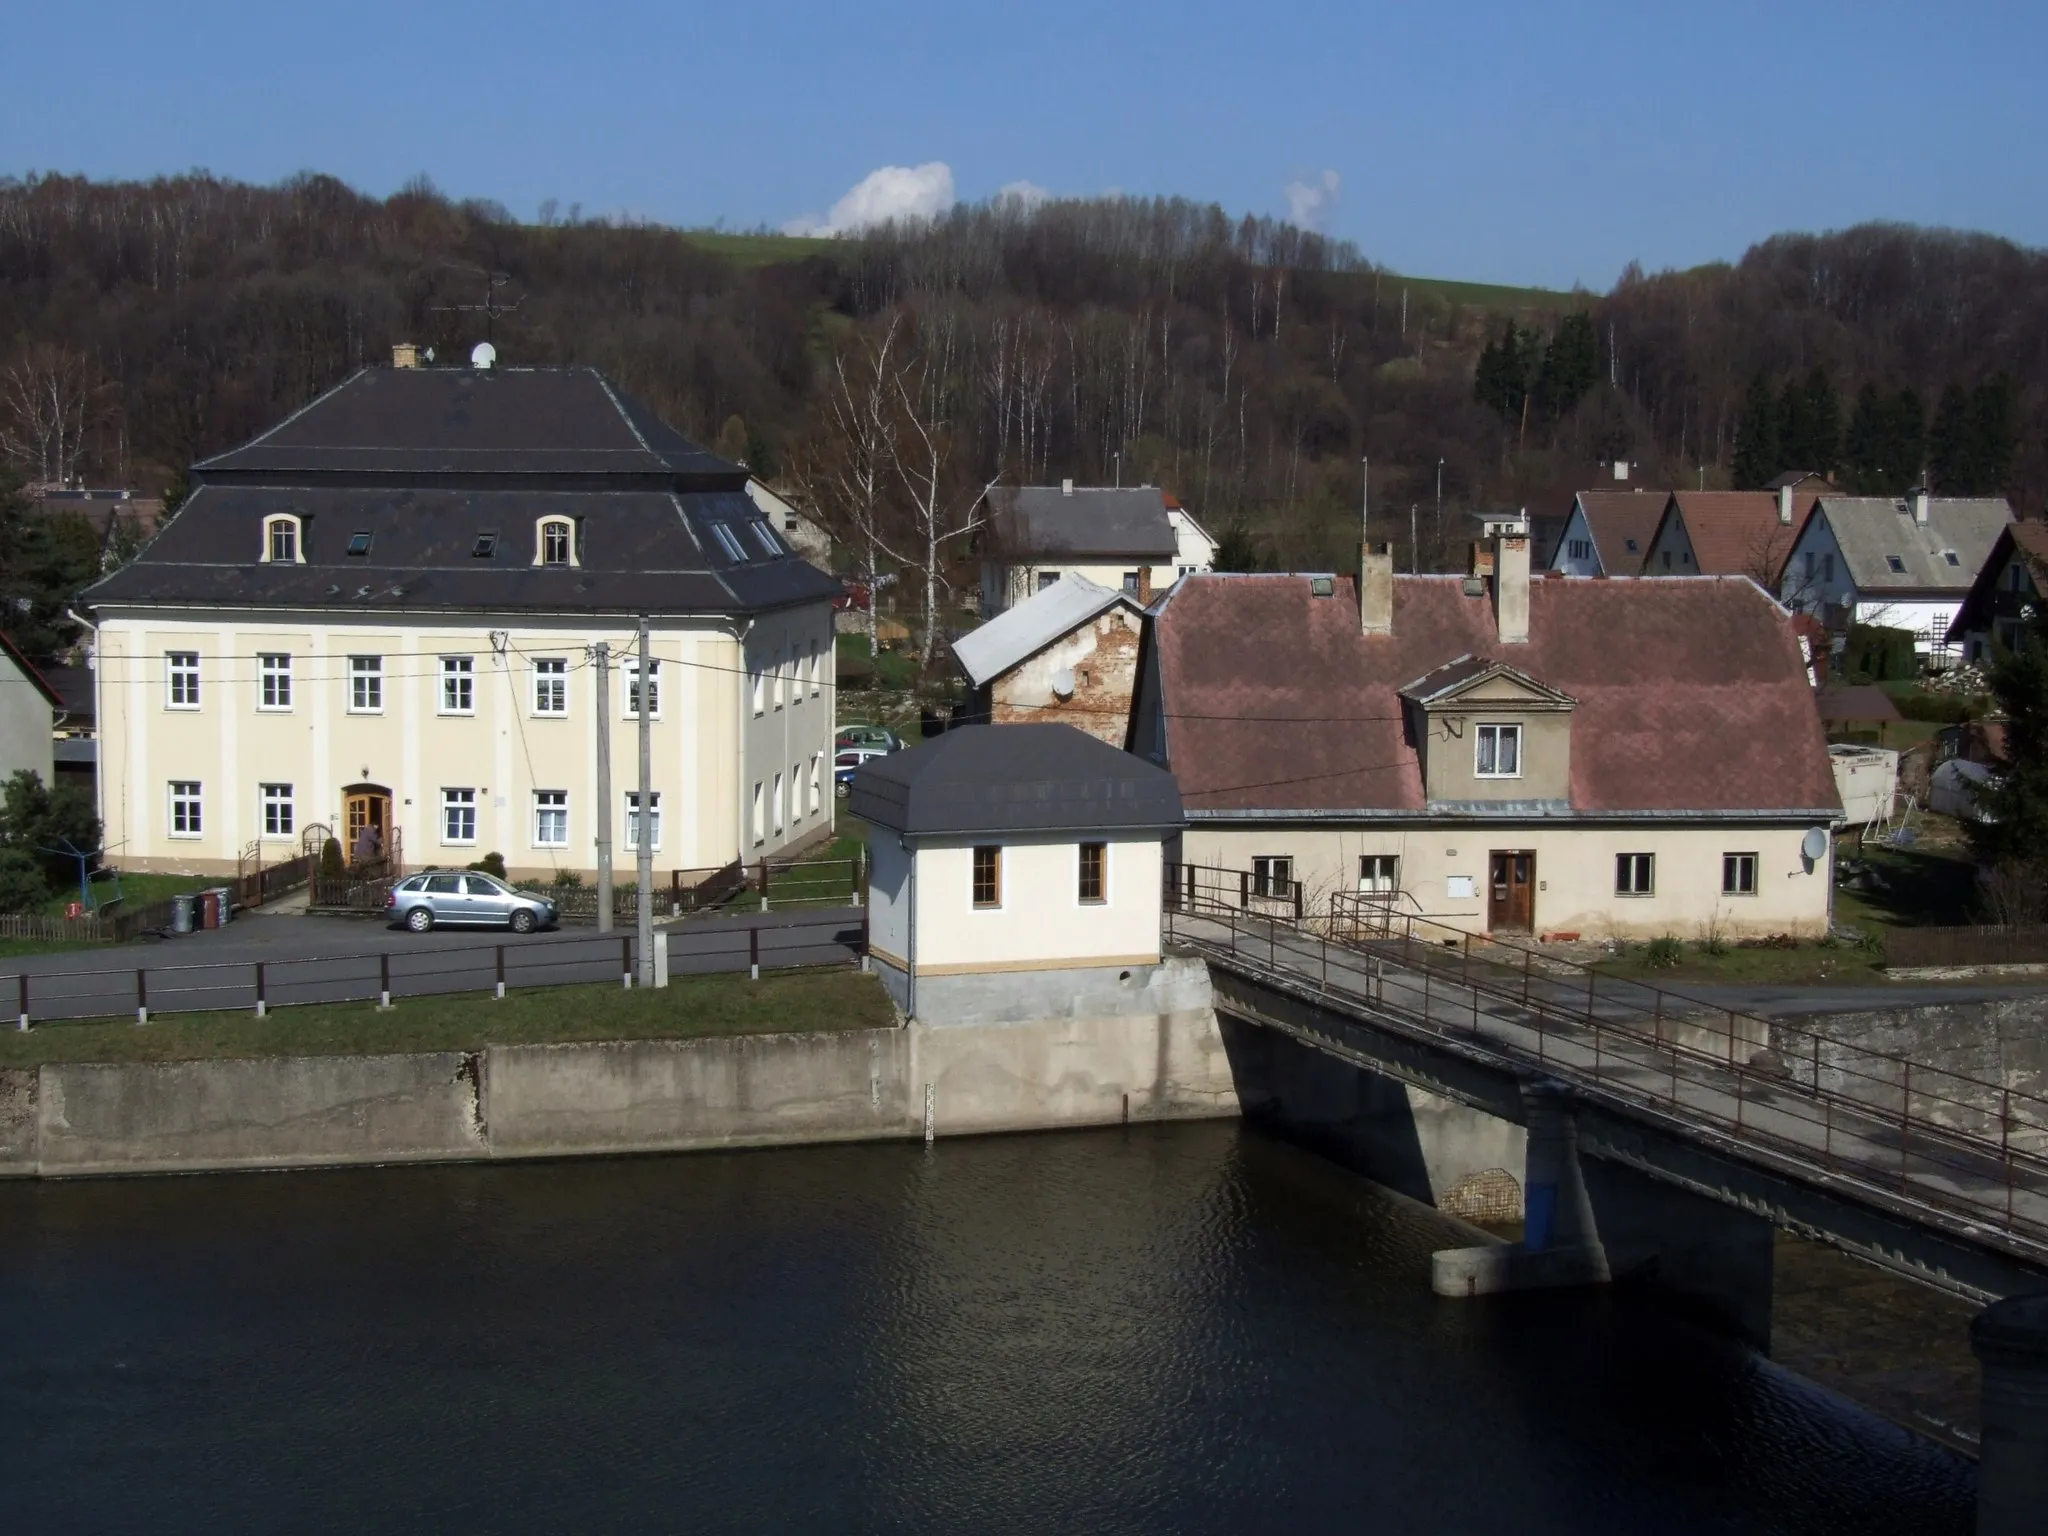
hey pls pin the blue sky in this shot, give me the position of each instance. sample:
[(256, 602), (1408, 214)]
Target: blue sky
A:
[(1511, 143)]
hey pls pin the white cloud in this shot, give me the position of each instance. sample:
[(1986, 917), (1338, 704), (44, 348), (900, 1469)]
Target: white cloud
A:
[(1027, 195), (1310, 203), (892, 192)]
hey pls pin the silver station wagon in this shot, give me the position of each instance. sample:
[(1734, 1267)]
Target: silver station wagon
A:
[(465, 899)]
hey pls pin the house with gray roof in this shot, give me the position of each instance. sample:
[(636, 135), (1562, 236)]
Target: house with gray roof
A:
[(400, 616), (1903, 563), (1135, 537), (1067, 653)]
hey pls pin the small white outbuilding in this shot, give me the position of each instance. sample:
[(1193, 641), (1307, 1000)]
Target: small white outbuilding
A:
[(1007, 849)]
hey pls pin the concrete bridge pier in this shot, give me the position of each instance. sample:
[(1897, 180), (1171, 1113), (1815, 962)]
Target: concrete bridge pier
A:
[(1591, 1220), (2010, 1338)]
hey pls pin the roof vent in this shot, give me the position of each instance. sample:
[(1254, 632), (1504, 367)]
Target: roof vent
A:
[(483, 356), (1475, 586)]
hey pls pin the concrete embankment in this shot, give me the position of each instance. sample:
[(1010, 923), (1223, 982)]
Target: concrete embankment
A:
[(1149, 1053)]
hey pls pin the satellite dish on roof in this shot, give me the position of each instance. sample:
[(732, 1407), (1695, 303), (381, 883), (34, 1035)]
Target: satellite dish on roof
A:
[(1815, 844), (483, 355), (1063, 683)]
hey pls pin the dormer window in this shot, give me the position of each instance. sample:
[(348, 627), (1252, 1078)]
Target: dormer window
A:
[(359, 542), (557, 545), (281, 545), (1500, 752), (486, 545)]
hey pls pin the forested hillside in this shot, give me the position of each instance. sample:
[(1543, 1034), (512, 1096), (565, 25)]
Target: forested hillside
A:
[(1245, 364)]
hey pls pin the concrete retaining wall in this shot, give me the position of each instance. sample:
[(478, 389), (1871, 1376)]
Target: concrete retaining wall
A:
[(610, 1098)]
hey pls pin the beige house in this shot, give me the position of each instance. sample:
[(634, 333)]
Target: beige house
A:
[(1005, 849), (1604, 757), (1068, 654), (402, 615)]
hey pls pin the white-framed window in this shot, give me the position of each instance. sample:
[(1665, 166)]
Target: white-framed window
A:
[(778, 805), (458, 685), (1272, 875), (817, 781), (1635, 874), (458, 815), (366, 685), (760, 693), (275, 670), (181, 675), (759, 813), (555, 542), (775, 673), (629, 676), (281, 544), (1379, 874), (279, 818), (1738, 874), (551, 818), (633, 820), (551, 685), (1500, 752), (186, 817), (817, 668)]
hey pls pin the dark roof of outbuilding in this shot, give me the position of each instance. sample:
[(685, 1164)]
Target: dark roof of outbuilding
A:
[(1045, 521), (1690, 693), (424, 460), (495, 423), (998, 779)]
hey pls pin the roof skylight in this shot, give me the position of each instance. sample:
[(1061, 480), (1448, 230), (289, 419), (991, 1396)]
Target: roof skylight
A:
[(485, 546), (359, 542), (728, 541)]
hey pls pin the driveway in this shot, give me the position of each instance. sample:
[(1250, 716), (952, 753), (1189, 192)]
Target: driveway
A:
[(337, 959)]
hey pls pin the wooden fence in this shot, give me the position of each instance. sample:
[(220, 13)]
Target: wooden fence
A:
[(93, 928), (1990, 945)]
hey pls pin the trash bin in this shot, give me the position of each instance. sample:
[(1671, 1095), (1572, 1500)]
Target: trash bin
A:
[(225, 895), (202, 910), (181, 914)]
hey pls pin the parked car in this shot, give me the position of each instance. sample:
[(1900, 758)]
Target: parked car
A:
[(465, 898), (846, 763), (863, 735)]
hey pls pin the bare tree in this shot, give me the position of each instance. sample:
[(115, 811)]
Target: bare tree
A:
[(51, 402), (939, 509)]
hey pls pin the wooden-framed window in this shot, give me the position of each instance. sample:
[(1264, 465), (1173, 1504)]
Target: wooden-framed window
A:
[(555, 542), (988, 877), (1094, 872), (1738, 874), (281, 541), (1499, 752), (1635, 874)]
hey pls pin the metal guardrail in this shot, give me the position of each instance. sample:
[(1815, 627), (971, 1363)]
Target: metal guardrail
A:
[(1946, 1140), (385, 976)]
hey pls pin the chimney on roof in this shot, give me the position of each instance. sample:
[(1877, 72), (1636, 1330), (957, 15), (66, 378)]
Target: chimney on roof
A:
[(1144, 586), (1066, 487), (1920, 505), (1621, 469), (405, 355), (1375, 588), (1785, 505), (1482, 558), (1511, 583)]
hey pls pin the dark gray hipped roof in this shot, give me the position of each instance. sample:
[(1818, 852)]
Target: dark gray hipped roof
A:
[(423, 462), (993, 780), (1045, 522)]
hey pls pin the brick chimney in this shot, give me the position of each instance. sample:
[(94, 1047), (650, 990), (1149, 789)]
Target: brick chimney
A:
[(1511, 588), (1785, 506), (1144, 586), (1376, 588)]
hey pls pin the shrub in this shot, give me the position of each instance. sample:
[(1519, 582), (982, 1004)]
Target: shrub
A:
[(22, 886), (567, 877), (1880, 654), (35, 819), (491, 864), (332, 865), (1664, 950)]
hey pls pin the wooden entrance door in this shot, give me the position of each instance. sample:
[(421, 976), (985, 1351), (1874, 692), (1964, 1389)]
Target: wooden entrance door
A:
[(1511, 892), (367, 823)]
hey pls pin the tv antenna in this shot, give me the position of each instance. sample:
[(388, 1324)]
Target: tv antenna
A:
[(492, 306)]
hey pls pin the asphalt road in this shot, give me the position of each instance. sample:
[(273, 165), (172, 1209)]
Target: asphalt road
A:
[(304, 959)]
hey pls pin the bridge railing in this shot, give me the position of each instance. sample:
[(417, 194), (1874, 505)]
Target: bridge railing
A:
[(1963, 1143)]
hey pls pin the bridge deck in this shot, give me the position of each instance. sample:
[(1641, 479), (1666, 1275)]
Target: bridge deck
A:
[(1969, 1153)]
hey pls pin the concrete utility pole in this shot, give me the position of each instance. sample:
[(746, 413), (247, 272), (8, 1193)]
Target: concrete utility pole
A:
[(1413, 552), (643, 841), (602, 654)]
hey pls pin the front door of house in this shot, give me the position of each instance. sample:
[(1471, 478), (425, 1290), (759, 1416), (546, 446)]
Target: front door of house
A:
[(1511, 892), (368, 822)]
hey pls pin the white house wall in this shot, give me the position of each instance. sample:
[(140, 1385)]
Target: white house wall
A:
[(1576, 529), (25, 721), (888, 898), (1041, 923)]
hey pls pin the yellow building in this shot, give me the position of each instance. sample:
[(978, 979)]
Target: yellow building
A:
[(408, 613)]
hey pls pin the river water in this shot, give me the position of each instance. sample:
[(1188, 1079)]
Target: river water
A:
[(1164, 1329)]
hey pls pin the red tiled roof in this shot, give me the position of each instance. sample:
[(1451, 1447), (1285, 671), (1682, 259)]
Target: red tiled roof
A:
[(1737, 533), (1691, 693), (1619, 516)]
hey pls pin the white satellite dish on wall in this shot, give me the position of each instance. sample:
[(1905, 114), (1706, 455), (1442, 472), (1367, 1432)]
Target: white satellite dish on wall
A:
[(1815, 844), (483, 355), (1063, 683)]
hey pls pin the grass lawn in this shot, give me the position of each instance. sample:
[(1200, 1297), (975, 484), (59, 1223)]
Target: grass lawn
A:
[(755, 250), (1807, 965), (691, 1007), (139, 890)]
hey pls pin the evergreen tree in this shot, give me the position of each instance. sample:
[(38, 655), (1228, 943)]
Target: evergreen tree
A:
[(1863, 449), (1571, 366), (1237, 550), (1502, 382), (1994, 433), (1823, 446), (45, 561), (1756, 438), (1951, 446), (2013, 839), (1906, 444)]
